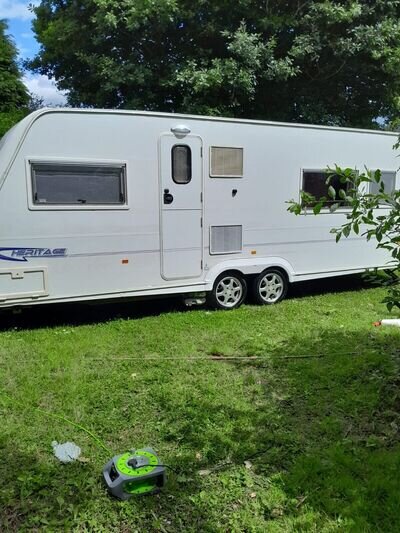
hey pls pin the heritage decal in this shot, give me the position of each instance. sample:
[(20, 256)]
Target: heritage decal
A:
[(24, 254)]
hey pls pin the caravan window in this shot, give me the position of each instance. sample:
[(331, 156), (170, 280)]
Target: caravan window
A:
[(314, 182), (78, 184), (181, 157), (388, 178), (226, 162)]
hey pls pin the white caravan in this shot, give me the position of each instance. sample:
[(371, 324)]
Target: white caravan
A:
[(98, 204)]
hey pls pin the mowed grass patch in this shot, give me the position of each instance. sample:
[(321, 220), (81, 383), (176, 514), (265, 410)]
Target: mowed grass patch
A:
[(311, 403)]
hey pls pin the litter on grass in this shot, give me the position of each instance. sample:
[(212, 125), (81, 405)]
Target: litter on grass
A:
[(66, 452), (395, 322)]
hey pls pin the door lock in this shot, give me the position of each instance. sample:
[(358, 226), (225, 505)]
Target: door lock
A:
[(168, 198)]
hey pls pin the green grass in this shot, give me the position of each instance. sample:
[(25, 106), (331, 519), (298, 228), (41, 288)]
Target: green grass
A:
[(325, 430)]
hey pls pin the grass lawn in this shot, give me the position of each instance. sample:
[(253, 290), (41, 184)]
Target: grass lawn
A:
[(322, 432)]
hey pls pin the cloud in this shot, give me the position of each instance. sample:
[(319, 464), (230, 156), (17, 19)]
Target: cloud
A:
[(43, 87), (23, 52), (16, 9)]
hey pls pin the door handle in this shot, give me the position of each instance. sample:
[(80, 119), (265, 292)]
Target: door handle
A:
[(168, 198)]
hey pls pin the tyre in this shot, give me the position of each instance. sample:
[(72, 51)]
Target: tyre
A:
[(229, 291), (269, 287)]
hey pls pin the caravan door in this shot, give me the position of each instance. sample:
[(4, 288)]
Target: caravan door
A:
[(181, 207)]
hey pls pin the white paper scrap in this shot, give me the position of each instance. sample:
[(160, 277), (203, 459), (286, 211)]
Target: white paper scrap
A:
[(66, 452)]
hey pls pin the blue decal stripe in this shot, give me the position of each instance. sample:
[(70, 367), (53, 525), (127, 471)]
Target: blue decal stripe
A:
[(21, 255), (6, 258)]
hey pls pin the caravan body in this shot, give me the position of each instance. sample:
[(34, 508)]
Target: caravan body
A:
[(105, 204)]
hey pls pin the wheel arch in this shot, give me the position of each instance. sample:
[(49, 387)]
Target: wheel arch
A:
[(277, 267), (249, 268)]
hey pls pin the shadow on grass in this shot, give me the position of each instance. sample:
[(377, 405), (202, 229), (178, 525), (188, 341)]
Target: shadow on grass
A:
[(72, 314), (69, 314), (336, 284), (329, 428), (41, 492)]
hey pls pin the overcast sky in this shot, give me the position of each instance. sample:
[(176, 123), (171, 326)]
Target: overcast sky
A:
[(19, 20)]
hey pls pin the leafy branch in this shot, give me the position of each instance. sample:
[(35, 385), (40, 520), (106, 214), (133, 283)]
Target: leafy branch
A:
[(372, 211)]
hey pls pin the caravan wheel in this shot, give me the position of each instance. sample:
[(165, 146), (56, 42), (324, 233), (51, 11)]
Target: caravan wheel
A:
[(228, 293), (270, 287)]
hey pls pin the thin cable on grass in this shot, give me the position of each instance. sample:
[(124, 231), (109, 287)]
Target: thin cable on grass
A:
[(74, 424), (56, 416), (225, 465), (221, 357), (63, 418), (242, 358)]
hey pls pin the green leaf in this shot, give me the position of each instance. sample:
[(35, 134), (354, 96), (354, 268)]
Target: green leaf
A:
[(346, 230), (317, 208), (331, 192), (294, 207)]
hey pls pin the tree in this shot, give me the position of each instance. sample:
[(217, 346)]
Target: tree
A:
[(13, 93), (375, 214), (321, 61), (14, 97)]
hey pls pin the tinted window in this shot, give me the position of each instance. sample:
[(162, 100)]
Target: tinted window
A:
[(314, 182), (181, 156), (69, 184)]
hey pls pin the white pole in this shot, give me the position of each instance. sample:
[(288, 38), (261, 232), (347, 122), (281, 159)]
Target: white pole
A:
[(395, 322)]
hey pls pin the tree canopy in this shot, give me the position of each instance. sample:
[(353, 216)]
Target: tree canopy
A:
[(14, 96), (13, 93), (322, 61)]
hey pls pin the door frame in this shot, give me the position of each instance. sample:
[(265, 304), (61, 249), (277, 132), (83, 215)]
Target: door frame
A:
[(168, 134)]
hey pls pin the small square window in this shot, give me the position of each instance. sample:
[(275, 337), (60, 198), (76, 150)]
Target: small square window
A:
[(226, 162)]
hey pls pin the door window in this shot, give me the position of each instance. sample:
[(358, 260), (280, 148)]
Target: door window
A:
[(181, 157)]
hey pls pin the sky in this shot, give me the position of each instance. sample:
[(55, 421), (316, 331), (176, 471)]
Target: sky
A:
[(19, 20)]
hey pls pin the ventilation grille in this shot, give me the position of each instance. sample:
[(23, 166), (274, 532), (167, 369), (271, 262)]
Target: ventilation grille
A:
[(226, 162), (225, 239)]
